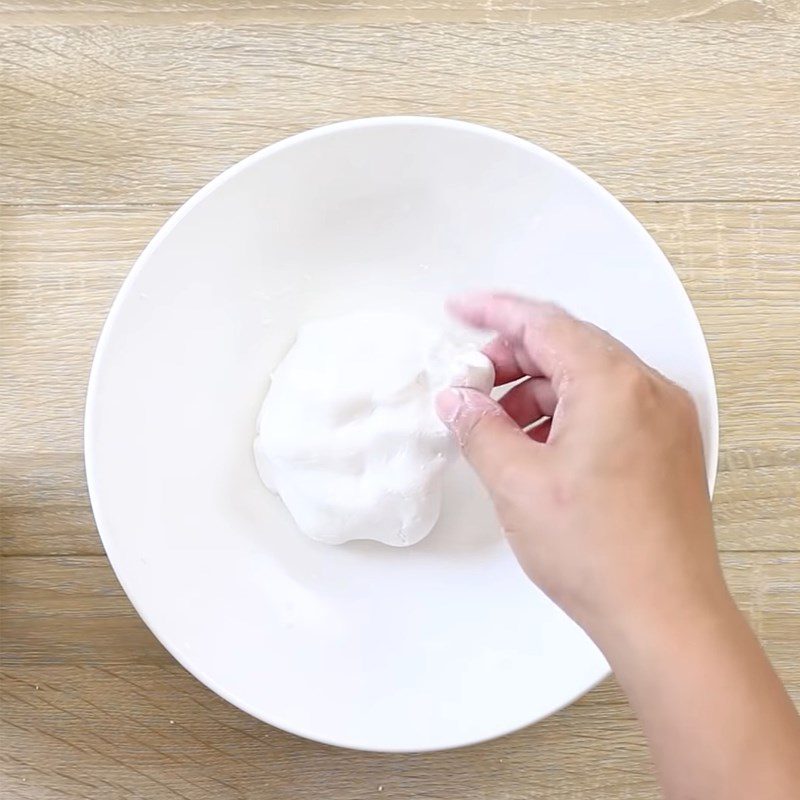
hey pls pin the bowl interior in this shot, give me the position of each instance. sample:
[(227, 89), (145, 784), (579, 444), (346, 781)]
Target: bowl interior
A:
[(438, 645)]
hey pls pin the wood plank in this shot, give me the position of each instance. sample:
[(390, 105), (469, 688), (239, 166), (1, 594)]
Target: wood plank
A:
[(740, 268), (129, 114), (152, 731), (739, 265), (61, 270), (159, 12), (72, 611)]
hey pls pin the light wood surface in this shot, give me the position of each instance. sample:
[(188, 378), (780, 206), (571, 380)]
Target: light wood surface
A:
[(146, 114), (154, 12), (113, 112)]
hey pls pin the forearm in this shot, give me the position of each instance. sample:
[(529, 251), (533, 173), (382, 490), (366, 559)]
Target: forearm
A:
[(718, 720)]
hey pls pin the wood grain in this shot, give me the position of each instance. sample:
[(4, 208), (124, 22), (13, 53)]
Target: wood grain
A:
[(62, 269), (131, 114), (154, 732), (155, 12)]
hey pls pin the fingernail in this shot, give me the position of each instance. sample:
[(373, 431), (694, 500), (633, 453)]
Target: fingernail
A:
[(448, 405)]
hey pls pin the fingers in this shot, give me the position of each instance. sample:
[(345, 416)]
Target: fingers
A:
[(529, 401), (507, 314), (536, 338), (489, 438), (502, 353)]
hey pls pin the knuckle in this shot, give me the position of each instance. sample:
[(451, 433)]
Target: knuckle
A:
[(556, 322), (647, 394), (634, 382), (683, 404), (547, 320)]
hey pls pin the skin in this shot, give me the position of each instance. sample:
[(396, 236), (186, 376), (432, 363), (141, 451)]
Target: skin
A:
[(605, 505)]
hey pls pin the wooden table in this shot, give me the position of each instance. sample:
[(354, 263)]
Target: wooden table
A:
[(114, 112)]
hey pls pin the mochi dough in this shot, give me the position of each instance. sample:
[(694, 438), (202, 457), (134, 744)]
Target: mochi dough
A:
[(348, 435)]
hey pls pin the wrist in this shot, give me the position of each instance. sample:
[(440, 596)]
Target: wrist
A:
[(659, 620)]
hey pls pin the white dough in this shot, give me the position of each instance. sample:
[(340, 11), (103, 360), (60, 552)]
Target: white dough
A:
[(348, 435)]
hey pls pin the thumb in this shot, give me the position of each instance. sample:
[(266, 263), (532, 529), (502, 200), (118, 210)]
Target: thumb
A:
[(489, 438)]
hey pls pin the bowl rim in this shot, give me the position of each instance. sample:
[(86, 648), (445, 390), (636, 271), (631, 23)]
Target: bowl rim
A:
[(92, 395)]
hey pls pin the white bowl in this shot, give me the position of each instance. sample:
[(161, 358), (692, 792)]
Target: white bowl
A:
[(435, 646)]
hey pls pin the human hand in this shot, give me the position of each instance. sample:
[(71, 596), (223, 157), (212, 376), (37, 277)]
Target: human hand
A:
[(605, 504), (606, 507)]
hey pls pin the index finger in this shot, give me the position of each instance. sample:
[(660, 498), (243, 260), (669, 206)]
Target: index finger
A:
[(556, 343)]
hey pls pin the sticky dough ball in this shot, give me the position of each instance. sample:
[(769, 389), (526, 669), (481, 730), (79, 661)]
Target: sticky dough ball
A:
[(348, 435)]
